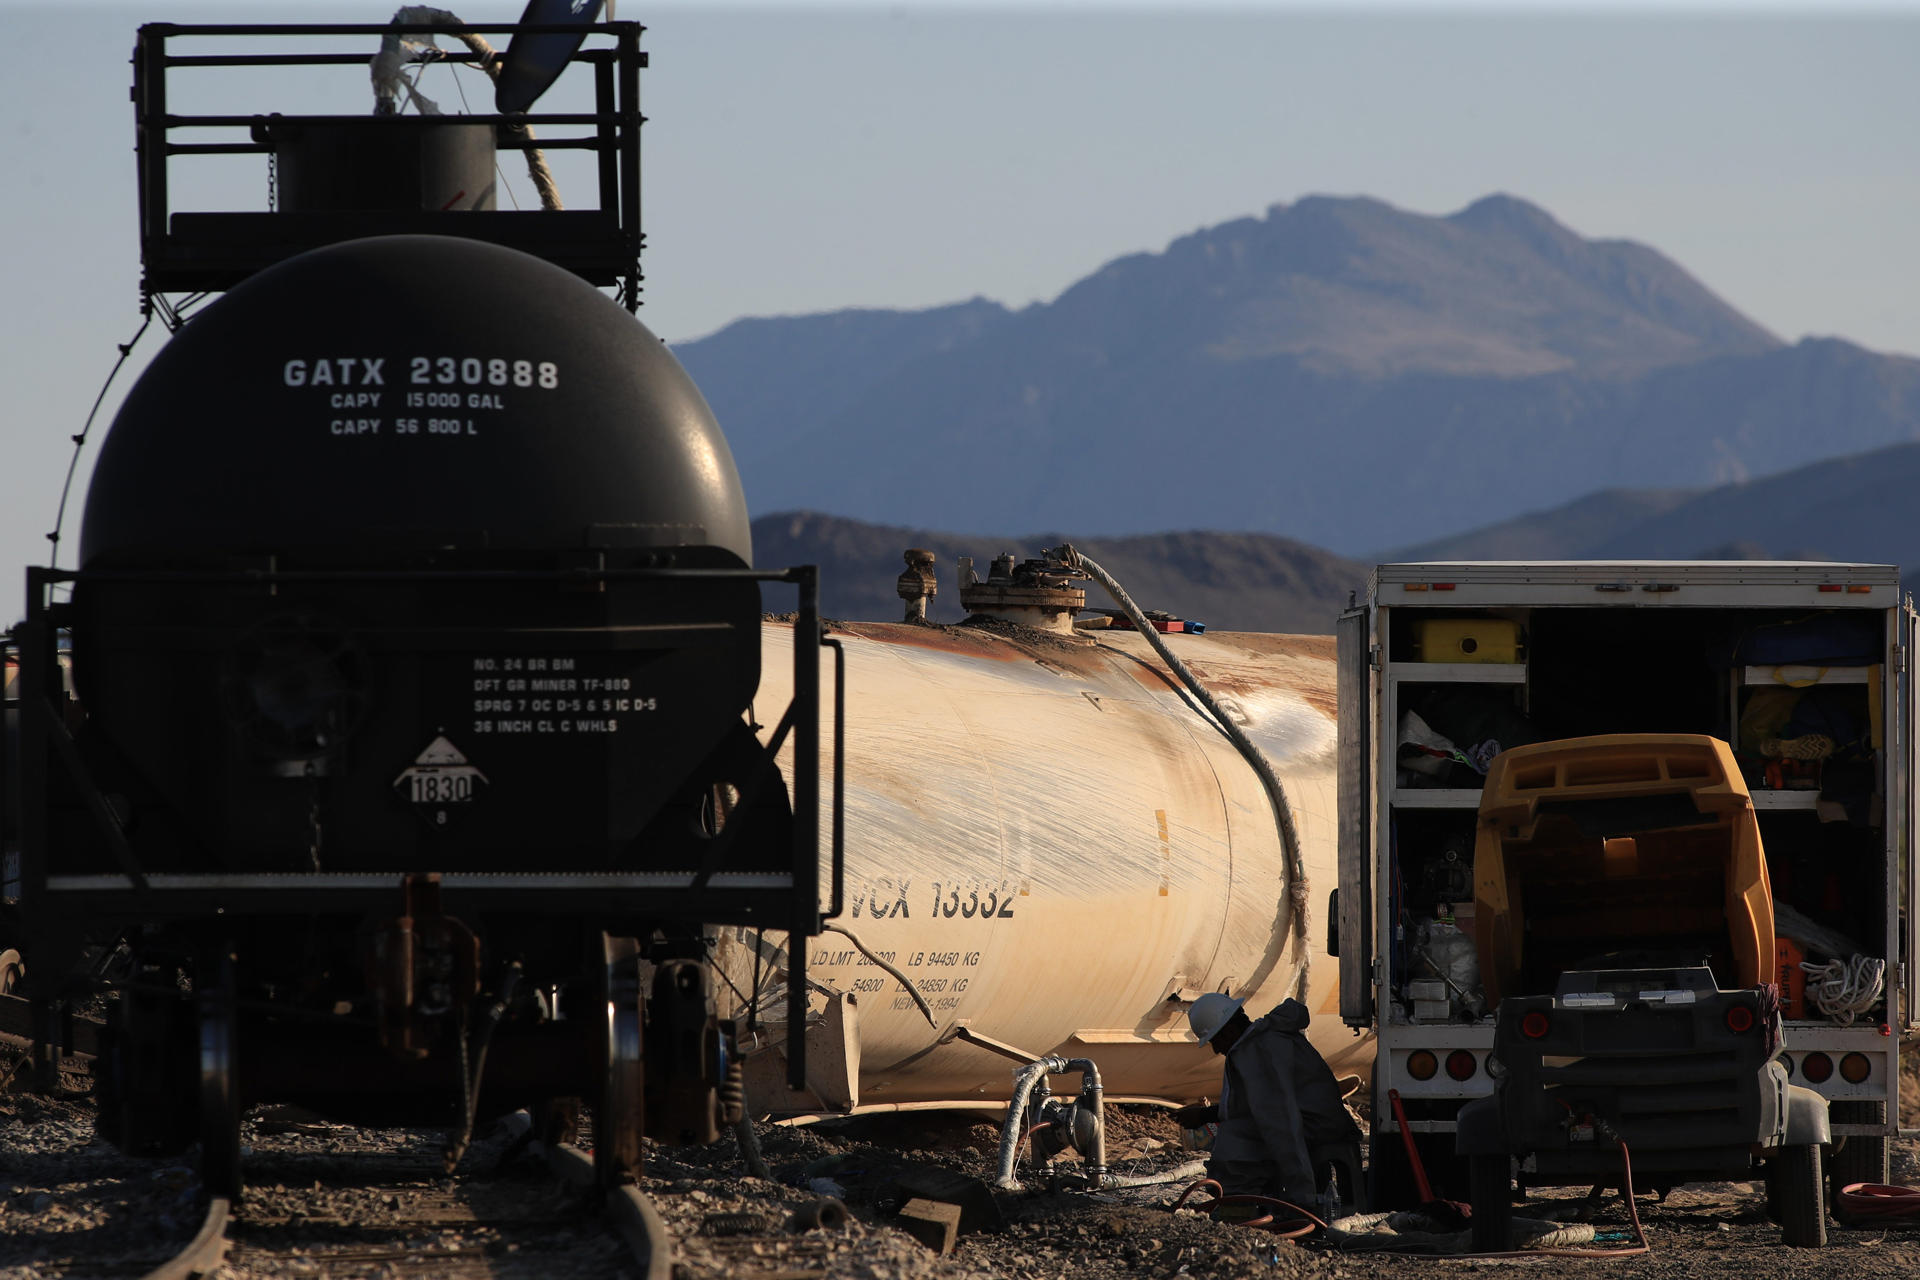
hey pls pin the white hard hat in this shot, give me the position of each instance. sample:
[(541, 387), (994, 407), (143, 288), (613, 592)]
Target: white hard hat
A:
[(1211, 1012)]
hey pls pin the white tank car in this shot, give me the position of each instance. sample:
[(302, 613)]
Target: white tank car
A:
[(1061, 851)]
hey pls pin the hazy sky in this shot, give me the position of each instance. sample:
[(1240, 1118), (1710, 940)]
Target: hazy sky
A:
[(802, 159)]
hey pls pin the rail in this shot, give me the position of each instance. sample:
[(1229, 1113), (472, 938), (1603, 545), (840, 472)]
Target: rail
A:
[(205, 1252), (629, 1212), (192, 252)]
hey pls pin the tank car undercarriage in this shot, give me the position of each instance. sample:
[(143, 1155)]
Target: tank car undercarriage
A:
[(405, 1025)]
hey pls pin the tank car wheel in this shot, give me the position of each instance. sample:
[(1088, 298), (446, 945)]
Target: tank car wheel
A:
[(144, 1079), (219, 1098), (618, 1114)]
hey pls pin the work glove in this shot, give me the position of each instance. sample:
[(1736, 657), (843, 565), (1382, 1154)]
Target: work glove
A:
[(1197, 1114)]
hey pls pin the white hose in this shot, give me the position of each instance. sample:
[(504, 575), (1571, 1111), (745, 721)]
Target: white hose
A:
[(1024, 1078), (1194, 1169), (1297, 890), (397, 50)]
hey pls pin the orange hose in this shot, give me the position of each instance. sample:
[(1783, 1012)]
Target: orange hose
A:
[(1302, 1222), (1877, 1202)]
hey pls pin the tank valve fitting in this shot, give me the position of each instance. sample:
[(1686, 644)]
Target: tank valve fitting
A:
[(918, 584), (1034, 593)]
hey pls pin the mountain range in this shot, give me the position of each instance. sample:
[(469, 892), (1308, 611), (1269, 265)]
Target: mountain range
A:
[(1854, 508), (1238, 581), (1338, 373), (1851, 508)]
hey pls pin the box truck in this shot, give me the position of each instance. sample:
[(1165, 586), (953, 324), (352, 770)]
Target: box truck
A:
[(1621, 867)]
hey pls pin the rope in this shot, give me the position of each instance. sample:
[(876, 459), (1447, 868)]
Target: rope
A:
[(1845, 989)]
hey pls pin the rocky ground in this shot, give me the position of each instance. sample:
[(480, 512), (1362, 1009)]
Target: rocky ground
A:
[(71, 1206)]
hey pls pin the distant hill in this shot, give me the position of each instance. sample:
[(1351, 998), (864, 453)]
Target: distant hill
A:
[(1230, 581), (1851, 508), (1338, 371), (1560, 533)]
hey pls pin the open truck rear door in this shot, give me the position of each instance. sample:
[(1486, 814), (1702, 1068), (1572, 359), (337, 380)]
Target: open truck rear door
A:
[(1908, 852), (1354, 923)]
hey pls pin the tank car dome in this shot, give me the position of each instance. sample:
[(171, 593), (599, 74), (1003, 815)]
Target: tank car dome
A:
[(411, 393)]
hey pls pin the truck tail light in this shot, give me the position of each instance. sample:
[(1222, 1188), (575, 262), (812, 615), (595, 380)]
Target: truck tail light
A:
[(1739, 1018), (1421, 1064), (1534, 1026), (1816, 1068), (1461, 1064), (1855, 1067)]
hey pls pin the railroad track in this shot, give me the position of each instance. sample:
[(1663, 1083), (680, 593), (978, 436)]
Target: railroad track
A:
[(325, 1200), (530, 1226), (397, 1215)]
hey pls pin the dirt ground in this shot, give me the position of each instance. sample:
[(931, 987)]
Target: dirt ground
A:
[(1708, 1231), (64, 1197)]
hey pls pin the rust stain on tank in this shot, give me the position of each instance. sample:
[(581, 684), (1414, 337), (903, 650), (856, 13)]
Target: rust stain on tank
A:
[(1304, 668), (1312, 648), (1300, 665), (1146, 669), (965, 642)]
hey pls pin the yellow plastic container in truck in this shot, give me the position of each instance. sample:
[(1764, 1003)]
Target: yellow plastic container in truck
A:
[(1466, 640)]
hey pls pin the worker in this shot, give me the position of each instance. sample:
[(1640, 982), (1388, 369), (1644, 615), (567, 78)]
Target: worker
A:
[(1278, 1101)]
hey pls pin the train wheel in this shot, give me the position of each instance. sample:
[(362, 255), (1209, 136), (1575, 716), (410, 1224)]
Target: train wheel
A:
[(618, 1118), (145, 1079), (219, 1098)]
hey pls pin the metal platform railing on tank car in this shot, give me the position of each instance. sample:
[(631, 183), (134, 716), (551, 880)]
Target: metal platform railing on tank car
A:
[(195, 252)]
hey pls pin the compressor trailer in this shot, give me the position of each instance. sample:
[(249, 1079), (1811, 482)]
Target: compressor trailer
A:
[(1772, 705)]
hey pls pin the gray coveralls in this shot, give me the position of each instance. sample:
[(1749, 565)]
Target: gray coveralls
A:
[(1278, 1099)]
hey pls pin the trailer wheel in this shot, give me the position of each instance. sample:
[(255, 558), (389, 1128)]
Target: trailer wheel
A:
[(1490, 1178), (1803, 1206), (1858, 1158)]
